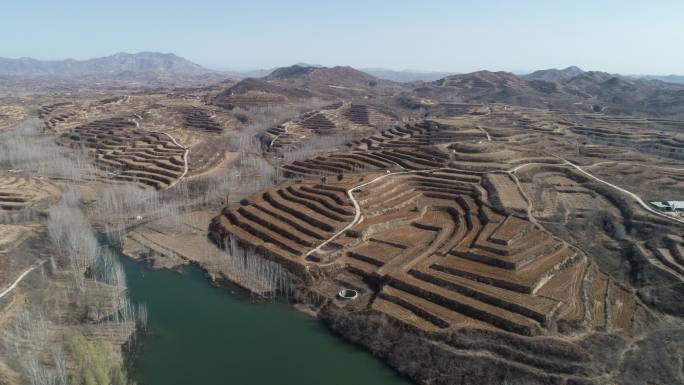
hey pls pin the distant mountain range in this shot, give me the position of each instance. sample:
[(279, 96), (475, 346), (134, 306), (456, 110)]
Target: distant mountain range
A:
[(663, 78), (570, 87), (338, 75), (406, 76), (555, 75), (166, 64), (302, 81), (572, 71), (143, 62), (561, 88)]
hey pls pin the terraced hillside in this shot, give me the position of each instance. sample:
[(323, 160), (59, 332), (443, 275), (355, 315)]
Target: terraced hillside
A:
[(18, 192), (11, 115), (663, 144), (656, 183), (284, 222), (358, 113), (486, 235), (616, 135), (477, 233), (317, 122), (45, 110), (355, 161), (419, 134), (334, 118), (432, 253), (129, 153), (599, 219), (11, 236), (197, 118), (409, 147), (257, 92), (65, 114)]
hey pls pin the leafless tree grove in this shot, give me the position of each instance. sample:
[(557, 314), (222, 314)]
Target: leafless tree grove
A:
[(81, 279), (82, 275), (256, 272), (26, 149)]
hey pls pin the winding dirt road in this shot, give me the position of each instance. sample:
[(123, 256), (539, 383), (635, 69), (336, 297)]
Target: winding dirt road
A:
[(622, 190), (285, 127), (185, 153), (22, 276), (357, 207), (185, 159)]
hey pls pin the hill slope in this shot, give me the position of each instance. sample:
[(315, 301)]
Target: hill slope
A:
[(555, 75), (664, 78), (568, 88), (406, 76), (322, 75)]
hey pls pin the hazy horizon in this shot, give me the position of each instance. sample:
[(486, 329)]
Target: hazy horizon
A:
[(615, 36)]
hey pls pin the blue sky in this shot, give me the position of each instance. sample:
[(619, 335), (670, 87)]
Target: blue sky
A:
[(615, 36)]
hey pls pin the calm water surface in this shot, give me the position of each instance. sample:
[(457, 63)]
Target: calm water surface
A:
[(205, 335)]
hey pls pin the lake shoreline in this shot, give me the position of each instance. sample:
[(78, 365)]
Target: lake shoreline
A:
[(243, 295)]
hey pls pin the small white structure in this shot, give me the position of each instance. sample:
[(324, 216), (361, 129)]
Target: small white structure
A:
[(348, 294), (668, 206)]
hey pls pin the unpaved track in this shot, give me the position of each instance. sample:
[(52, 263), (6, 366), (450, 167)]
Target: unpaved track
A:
[(489, 138), (357, 208), (22, 276), (629, 193), (622, 190), (654, 261), (185, 159), (511, 172), (516, 168), (285, 127), (185, 149)]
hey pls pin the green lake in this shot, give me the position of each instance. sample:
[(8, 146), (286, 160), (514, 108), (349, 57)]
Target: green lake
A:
[(204, 335)]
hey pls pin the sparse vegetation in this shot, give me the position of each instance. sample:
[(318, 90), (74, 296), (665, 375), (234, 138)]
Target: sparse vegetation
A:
[(464, 226), (77, 280), (96, 363)]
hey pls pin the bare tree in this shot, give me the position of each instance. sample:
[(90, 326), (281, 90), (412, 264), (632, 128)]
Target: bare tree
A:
[(254, 271)]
